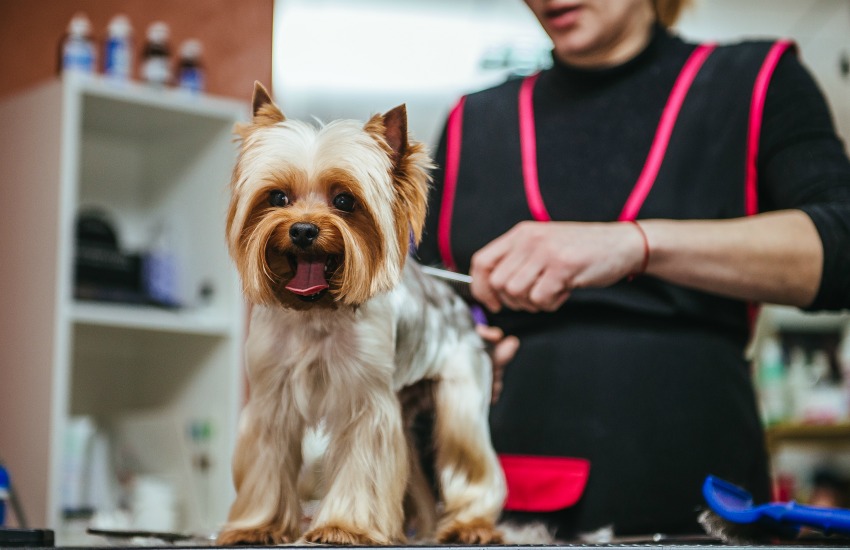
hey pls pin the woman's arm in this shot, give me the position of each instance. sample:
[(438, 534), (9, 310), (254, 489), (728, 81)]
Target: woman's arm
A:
[(774, 257)]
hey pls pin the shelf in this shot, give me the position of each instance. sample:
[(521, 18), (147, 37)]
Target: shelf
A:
[(157, 163), (820, 434), (792, 319), (170, 107), (149, 318)]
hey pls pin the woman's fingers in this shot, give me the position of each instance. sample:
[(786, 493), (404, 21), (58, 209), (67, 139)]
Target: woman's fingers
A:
[(502, 350)]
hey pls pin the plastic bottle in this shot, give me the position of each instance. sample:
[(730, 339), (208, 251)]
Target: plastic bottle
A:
[(190, 71), (771, 383), (159, 269), (826, 402), (4, 494), (78, 52), (798, 382), (156, 56), (843, 358), (118, 57)]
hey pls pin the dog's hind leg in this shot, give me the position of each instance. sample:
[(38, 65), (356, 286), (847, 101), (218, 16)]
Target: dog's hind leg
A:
[(420, 503), (470, 477), (265, 469)]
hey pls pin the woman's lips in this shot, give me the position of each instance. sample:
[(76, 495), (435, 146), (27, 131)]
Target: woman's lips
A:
[(563, 16)]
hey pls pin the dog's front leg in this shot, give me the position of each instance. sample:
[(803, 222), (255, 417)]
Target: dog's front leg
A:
[(470, 477), (368, 469), (265, 470)]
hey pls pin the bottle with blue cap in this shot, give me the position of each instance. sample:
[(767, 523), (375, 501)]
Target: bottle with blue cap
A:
[(4, 494)]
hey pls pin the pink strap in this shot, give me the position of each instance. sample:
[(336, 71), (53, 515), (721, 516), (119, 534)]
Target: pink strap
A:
[(665, 129), (528, 147), (756, 115), (454, 132), (751, 206)]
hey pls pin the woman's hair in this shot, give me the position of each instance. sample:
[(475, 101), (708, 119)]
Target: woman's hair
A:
[(668, 11)]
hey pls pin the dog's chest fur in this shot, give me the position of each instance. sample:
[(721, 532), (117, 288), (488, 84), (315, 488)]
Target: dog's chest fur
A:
[(319, 357)]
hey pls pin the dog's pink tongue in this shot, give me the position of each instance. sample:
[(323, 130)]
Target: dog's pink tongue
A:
[(309, 276)]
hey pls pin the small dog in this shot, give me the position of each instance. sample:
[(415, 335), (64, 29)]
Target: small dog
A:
[(347, 337)]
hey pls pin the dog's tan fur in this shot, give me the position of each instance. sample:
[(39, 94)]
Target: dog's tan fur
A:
[(338, 361)]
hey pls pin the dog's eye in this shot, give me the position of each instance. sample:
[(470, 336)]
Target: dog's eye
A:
[(344, 202), (278, 198)]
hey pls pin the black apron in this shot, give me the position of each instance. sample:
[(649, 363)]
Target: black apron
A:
[(617, 406)]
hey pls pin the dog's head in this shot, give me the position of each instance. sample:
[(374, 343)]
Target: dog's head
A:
[(323, 216)]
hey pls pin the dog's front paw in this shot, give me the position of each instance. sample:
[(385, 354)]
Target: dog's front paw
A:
[(263, 536), (473, 532), (344, 535)]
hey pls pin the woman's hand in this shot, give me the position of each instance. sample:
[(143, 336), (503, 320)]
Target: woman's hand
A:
[(501, 349), (535, 265)]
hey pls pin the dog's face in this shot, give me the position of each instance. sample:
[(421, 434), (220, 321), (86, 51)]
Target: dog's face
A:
[(323, 216)]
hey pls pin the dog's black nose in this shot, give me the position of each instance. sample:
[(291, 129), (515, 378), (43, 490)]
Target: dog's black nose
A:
[(303, 234)]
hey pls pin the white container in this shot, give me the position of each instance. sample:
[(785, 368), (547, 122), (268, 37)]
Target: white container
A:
[(154, 504), (771, 383)]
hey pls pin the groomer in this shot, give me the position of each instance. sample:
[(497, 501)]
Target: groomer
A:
[(622, 214)]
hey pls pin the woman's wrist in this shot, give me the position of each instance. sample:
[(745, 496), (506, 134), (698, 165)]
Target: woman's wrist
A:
[(645, 251)]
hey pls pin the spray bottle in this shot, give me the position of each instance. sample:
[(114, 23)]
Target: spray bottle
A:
[(156, 56), (190, 70), (118, 57), (771, 383), (77, 51)]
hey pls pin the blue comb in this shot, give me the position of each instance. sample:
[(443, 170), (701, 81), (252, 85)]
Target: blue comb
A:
[(734, 504)]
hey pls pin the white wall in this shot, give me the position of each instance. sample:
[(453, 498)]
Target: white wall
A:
[(353, 58)]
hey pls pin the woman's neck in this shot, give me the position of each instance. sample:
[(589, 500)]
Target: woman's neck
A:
[(622, 47)]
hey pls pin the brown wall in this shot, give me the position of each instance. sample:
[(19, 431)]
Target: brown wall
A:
[(236, 34)]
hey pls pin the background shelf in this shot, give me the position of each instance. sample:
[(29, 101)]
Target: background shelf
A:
[(150, 318)]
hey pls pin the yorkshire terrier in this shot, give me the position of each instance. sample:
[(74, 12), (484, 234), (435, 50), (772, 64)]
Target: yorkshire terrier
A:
[(350, 338)]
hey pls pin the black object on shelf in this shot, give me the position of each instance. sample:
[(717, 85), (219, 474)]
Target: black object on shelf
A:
[(102, 270), (26, 538)]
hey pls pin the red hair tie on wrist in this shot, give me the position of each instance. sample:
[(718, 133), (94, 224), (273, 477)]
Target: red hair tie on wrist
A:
[(645, 251)]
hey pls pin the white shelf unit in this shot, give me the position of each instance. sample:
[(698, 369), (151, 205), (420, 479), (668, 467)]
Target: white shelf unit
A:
[(149, 158), (779, 318)]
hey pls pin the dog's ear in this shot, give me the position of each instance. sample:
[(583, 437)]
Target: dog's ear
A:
[(410, 172), (395, 130), (392, 126), (265, 111)]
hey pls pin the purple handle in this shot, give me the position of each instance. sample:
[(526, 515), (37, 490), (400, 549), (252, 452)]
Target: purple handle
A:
[(478, 314)]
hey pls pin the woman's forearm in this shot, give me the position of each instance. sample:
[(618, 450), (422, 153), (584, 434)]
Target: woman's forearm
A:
[(776, 257)]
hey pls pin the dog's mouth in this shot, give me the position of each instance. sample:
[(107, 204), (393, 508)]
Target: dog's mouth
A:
[(312, 273)]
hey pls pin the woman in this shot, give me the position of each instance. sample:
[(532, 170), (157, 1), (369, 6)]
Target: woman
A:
[(619, 213)]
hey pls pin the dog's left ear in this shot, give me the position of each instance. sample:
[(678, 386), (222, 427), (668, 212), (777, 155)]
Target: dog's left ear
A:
[(395, 130), (410, 172), (392, 126)]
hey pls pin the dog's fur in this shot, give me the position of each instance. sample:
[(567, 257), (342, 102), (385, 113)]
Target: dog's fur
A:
[(354, 359)]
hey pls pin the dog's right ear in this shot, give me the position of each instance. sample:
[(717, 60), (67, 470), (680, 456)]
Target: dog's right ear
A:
[(265, 112)]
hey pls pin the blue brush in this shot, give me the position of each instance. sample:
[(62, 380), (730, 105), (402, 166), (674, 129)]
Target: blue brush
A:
[(735, 505)]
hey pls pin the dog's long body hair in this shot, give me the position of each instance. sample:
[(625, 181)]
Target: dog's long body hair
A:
[(319, 227)]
